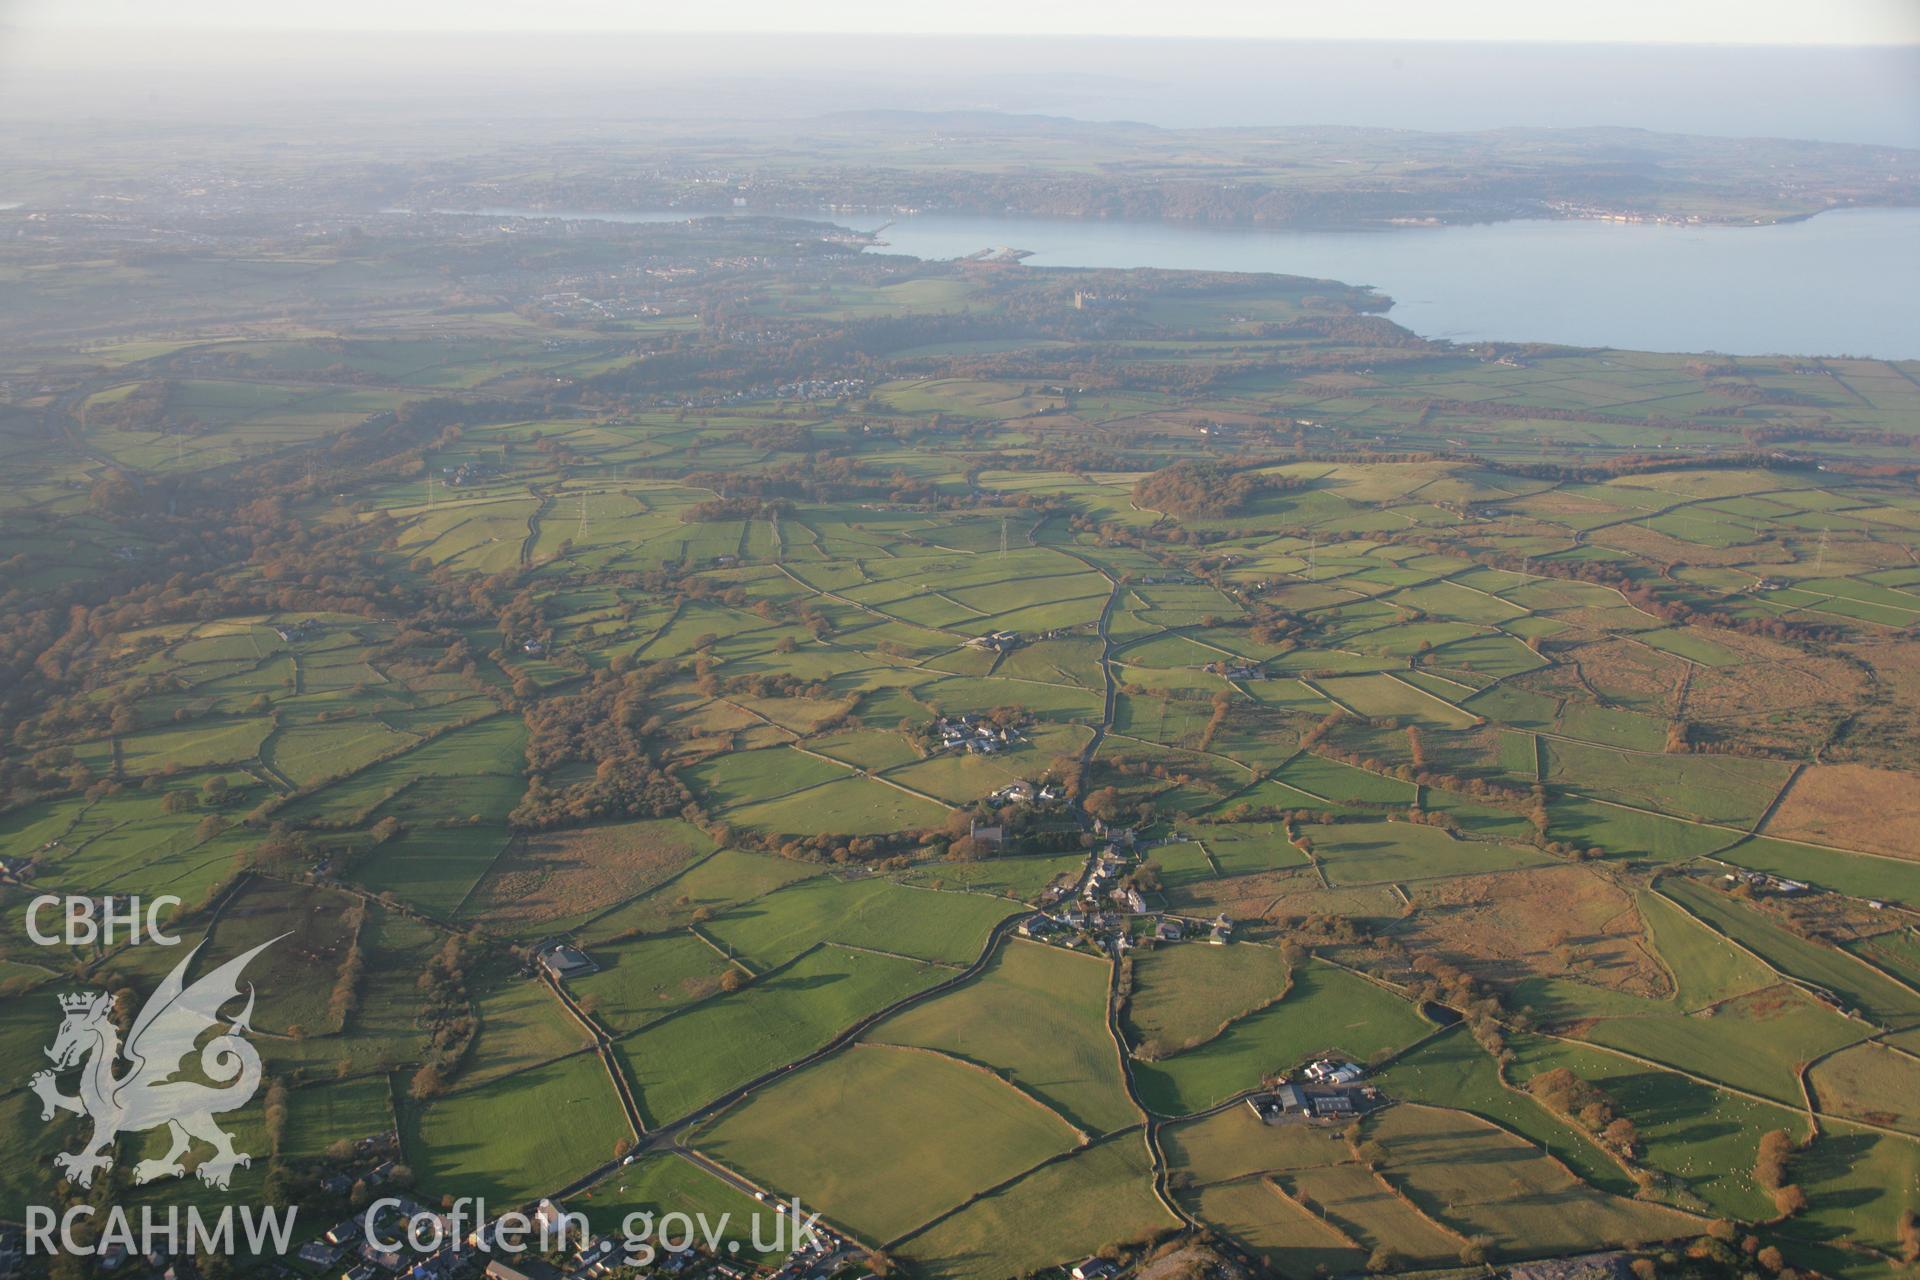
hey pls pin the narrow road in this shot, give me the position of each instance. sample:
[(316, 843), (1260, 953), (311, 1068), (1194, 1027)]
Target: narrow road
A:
[(1106, 671)]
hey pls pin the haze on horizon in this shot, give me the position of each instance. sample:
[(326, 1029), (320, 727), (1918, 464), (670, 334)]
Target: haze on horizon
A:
[(1794, 22), (1847, 71)]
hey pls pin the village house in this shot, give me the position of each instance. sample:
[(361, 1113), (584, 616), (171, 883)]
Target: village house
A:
[(318, 1253), (1012, 793), (383, 1259), (521, 1268)]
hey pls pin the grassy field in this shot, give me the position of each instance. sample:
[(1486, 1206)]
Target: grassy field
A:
[(658, 1185), (1096, 1197), (874, 913), (648, 978), (1185, 995), (680, 1063), (855, 1130), (1703, 1137), (1291, 1239), (1385, 853), (1326, 1010), (1480, 1181), (1038, 1017), (470, 1142)]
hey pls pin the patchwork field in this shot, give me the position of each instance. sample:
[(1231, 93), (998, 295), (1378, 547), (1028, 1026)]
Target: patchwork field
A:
[(706, 706)]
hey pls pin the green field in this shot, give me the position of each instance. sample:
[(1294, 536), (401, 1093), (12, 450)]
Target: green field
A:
[(680, 1063), (471, 1139), (1326, 1010), (1185, 995), (854, 1130), (1037, 1017)]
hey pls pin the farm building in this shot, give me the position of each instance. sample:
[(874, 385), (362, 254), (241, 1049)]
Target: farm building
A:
[(1272, 1108), (563, 961), (1293, 1102), (1328, 1071), (997, 641)]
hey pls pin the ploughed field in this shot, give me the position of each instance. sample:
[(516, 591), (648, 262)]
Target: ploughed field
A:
[(1541, 722)]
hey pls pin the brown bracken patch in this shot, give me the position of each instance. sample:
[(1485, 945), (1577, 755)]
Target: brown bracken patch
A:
[(1568, 922), (1775, 697), (1886, 730), (563, 874), (1852, 806)]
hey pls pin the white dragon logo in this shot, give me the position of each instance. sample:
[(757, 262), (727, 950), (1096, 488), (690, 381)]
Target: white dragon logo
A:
[(147, 1096)]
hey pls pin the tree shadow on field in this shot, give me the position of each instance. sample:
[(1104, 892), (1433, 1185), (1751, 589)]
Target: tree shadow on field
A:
[(1829, 1161)]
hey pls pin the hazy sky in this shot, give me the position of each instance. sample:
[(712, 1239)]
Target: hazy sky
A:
[(1662, 21)]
